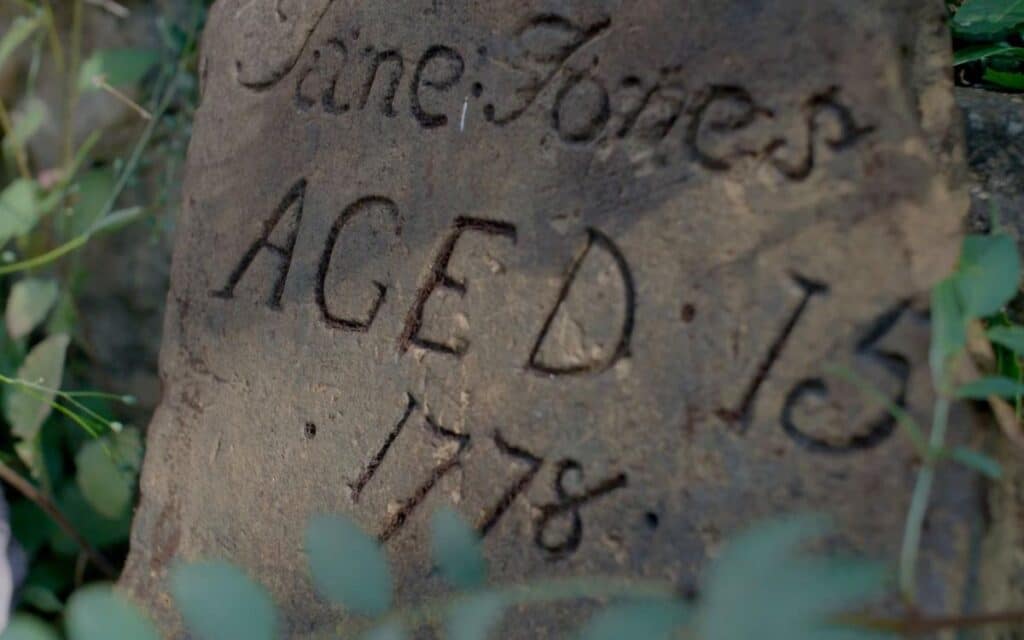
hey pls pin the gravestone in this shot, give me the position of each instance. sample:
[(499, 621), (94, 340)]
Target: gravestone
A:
[(577, 268)]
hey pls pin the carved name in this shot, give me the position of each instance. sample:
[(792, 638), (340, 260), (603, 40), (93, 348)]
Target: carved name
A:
[(549, 69)]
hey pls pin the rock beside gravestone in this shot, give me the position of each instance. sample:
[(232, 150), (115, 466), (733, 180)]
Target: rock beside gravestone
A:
[(994, 124), (577, 272)]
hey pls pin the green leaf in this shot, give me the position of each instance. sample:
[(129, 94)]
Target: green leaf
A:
[(107, 470), (977, 461), (348, 566), (19, 30), (1011, 337), (23, 627), (990, 386), (92, 191), (64, 318), (1005, 79), (97, 613), (29, 302), (27, 122), (647, 619), (96, 528), (220, 602), (988, 17), (473, 618), (949, 330), (42, 599), (390, 631), (782, 594), (988, 274), (27, 408), (455, 547), (20, 209), (980, 52), (30, 525), (118, 67)]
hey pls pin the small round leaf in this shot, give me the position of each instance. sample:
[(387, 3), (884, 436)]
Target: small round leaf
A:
[(29, 302), (651, 620), (455, 547), (390, 631), (219, 601), (107, 470), (24, 627), (348, 566), (988, 274), (97, 613), (475, 617)]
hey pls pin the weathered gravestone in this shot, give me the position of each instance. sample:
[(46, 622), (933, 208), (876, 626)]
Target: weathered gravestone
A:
[(577, 268)]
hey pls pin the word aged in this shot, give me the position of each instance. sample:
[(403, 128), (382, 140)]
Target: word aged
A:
[(438, 278), (548, 68)]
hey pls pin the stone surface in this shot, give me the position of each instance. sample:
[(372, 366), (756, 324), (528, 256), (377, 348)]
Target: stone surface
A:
[(577, 271)]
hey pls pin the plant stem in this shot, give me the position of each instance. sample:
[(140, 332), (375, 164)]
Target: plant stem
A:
[(71, 82), (51, 27), (46, 258), (26, 488), (920, 500)]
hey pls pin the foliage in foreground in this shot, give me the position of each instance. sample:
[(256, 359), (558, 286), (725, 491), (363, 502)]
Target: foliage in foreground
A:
[(784, 593), (989, 40), (74, 465)]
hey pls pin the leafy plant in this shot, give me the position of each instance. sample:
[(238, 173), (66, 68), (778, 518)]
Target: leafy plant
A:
[(74, 465), (784, 593), (989, 37)]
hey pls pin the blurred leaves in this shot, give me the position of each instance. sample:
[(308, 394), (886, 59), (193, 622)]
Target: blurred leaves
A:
[(20, 209), (990, 386), (473, 618), (107, 470), (27, 121), (96, 528), (22, 27), (98, 613), (348, 566), (116, 67), (30, 300), (988, 18), (988, 35), (647, 619), (26, 407), (763, 587), (455, 548), (977, 461), (988, 274), (219, 601), (24, 627)]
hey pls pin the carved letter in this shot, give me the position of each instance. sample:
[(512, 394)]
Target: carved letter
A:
[(439, 277), (745, 113), (849, 133), (398, 68), (582, 109), (621, 349), (453, 74), (354, 209), (295, 196)]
